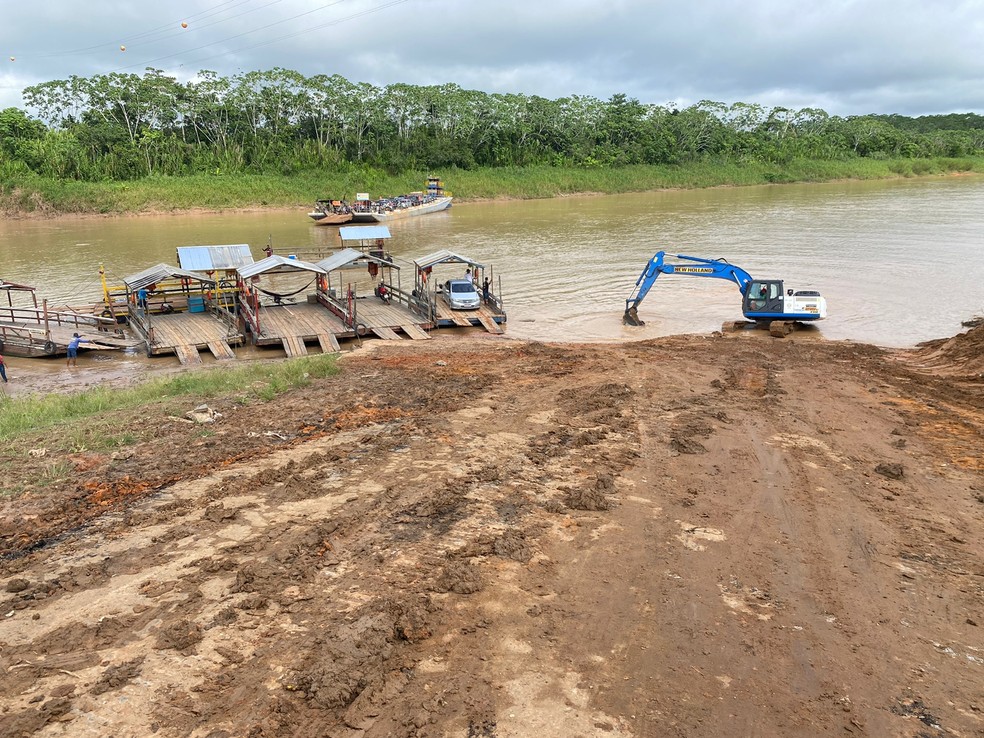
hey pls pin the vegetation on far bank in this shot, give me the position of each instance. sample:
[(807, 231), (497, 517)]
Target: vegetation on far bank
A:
[(127, 143), (33, 195)]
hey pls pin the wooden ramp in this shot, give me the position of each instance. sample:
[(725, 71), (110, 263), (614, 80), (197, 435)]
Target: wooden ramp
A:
[(294, 346), (293, 325), (187, 354), (221, 350), (185, 334), (328, 343), (490, 325), (415, 332), (387, 334)]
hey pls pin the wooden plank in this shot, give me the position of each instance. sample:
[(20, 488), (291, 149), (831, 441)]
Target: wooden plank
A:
[(387, 334), (294, 346), (415, 332), (188, 329), (221, 350), (187, 354), (460, 320), (490, 325), (329, 344), (302, 321)]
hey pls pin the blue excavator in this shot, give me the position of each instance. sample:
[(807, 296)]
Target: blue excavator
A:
[(763, 301)]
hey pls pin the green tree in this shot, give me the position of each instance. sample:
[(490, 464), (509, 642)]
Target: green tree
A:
[(19, 138), (122, 126)]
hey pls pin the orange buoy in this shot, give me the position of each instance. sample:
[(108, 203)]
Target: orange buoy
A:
[(184, 25)]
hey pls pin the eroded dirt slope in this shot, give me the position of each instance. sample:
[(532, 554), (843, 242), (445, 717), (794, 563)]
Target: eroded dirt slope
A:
[(690, 536)]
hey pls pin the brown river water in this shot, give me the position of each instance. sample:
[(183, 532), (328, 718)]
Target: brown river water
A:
[(898, 261)]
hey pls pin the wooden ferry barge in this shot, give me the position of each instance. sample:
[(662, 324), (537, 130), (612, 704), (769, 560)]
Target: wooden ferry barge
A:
[(220, 298)]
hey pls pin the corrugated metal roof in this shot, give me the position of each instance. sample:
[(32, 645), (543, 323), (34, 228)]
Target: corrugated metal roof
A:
[(363, 233), (159, 273), (209, 258), (277, 263), (442, 257), (341, 259)]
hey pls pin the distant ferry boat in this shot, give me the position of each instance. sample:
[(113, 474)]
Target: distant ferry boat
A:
[(386, 209), (331, 212)]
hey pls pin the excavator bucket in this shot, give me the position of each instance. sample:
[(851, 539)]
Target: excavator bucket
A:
[(631, 317)]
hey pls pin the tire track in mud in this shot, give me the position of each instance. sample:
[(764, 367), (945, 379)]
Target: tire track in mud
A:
[(565, 540), (344, 571), (799, 586)]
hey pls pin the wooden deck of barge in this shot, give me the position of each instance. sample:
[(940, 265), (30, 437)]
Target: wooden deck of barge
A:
[(384, 320), (294, 325), (185, 334)]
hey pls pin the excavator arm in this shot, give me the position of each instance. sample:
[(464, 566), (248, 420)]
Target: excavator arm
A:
[(697, 267)]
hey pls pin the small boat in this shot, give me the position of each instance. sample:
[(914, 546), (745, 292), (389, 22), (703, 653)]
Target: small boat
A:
[(331, 212), (434, 200)]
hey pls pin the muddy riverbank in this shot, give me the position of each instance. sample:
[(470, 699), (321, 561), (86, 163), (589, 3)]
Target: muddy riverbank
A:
[(694, 535)]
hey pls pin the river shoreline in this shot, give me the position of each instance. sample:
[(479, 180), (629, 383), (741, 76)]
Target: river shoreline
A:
[(193, 211), (37, 199)]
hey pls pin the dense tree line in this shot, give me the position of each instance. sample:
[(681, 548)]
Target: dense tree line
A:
[(933, 123), (126, 126)]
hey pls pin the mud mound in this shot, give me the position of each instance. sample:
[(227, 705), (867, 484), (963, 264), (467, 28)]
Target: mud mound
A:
[(962, 354)]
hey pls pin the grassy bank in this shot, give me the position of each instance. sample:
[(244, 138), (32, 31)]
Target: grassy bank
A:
[(83, 420), (28, 195)]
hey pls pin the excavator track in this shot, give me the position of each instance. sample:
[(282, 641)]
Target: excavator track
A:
[(781, 328), (733, 326)]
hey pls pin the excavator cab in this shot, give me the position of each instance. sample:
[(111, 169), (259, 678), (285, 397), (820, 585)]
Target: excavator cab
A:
[(763, 299)]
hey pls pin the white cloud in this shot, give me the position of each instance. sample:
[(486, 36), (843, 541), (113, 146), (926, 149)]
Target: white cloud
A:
[(845, 56)]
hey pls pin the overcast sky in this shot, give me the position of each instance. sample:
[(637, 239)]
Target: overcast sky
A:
[(848, 57)]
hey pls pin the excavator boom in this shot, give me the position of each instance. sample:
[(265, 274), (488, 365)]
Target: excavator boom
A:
[(697, 267)]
